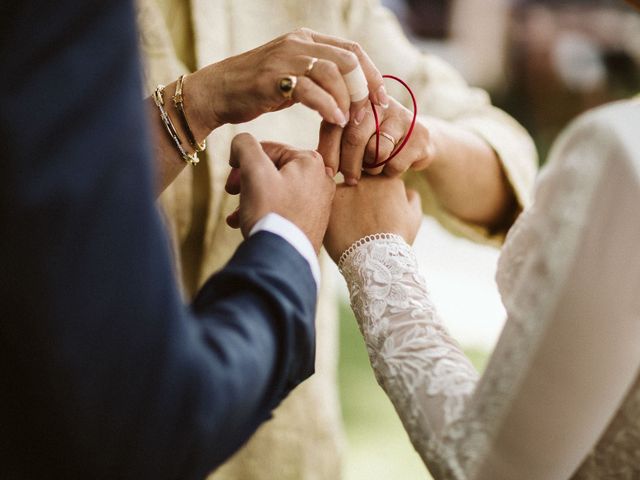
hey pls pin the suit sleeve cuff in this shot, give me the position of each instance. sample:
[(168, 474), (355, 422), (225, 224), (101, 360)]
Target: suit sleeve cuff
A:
[(277, 224)]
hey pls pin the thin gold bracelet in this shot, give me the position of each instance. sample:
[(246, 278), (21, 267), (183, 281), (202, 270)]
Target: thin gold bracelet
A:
[(178, 101), (158, 98)]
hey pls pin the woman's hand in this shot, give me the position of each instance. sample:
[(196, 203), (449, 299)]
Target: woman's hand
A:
[(352, 149), (376, 205), (241, 88)]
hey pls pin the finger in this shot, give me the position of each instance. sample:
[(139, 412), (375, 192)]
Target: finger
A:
[(247, 155), (233, 219), (353, 145), (348, 64), (327, 75), (244, 149), (313, 96), (374, 78), (329, 140), (392, 132), (279, 153), (232, 186), (373, 171)]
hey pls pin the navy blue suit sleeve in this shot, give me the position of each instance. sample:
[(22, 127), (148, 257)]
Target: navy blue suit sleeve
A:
[(104, 372)]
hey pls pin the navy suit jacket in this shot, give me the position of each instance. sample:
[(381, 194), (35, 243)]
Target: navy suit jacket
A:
[(104, 372)]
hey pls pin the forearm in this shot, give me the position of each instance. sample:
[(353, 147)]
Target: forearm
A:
[(466, 175), (422, 369)]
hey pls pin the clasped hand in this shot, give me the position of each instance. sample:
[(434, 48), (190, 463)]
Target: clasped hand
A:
[(272, 177), (352, 149)]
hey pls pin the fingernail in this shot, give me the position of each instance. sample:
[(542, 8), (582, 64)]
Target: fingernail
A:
[(339, 118), (329, 171), (359, 116), (353, 181), (382, 97)]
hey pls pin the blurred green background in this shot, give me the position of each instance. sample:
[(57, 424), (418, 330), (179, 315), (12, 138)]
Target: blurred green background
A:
[(378, 447)]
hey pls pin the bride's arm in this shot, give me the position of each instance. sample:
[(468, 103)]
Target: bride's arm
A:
[(563, 364), (420, 366)]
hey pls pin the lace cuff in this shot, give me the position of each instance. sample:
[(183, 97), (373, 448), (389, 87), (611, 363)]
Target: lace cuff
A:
[(421, 368)]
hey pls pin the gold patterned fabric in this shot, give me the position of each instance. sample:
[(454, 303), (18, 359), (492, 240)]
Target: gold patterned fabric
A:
[(304, 440)]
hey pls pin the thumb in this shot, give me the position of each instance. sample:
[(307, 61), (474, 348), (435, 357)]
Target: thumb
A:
[(246, 153)]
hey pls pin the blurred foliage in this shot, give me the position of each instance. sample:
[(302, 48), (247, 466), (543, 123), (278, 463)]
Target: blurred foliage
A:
[(378, 447)]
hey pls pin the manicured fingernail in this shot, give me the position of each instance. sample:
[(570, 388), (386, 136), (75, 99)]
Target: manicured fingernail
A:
[(359, 116), (339, 118), (329, 171), (353, 181), (382, 97)]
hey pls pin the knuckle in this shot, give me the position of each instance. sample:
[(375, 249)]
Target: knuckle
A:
[(349, 59), (353, 137), (423, 151), (355, 47), (290, 41), (393, 169), (371, 150), (314, 155), (330, 70)]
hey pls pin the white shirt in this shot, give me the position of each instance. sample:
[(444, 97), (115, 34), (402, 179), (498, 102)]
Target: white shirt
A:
[(274, 223)]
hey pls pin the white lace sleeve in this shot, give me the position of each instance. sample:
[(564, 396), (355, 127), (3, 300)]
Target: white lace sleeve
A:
[(421, 368), (559, 397)]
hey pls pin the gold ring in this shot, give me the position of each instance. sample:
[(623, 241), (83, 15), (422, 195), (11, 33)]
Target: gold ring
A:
[(389, 137), (312, 63), (287, 85)]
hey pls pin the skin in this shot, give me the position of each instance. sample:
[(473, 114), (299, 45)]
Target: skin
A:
[(273, 177), (243, 87), (463, 170), (376, 204)]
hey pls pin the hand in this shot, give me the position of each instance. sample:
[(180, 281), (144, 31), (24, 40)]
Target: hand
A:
[(240, 88), (351, 149), (273, 177), (375, 205)]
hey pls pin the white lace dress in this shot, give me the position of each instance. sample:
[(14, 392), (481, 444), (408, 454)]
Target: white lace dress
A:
[(560, 397)]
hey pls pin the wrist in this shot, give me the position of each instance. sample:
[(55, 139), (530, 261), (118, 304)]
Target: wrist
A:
[(387, 238), (204, 90)]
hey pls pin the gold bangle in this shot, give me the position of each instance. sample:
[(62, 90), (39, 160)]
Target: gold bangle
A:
[(158, 98), (178, 101)]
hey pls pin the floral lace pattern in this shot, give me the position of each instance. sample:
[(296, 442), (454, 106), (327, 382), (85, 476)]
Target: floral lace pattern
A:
[(450, 416), (410, 350)]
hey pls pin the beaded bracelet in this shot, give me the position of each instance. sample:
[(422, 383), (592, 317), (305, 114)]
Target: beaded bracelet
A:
[(158, 98), (178, 101)]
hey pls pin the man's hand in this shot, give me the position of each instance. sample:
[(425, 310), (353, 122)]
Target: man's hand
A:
[(272, 177), (376, 205)]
